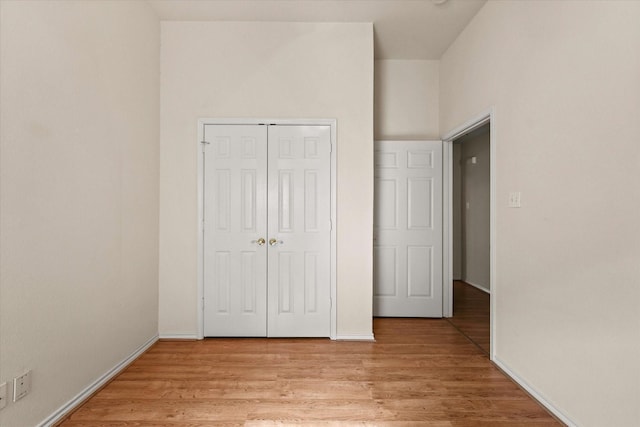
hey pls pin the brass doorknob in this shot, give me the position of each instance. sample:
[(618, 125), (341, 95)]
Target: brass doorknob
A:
[(261, 241), (273, 242)]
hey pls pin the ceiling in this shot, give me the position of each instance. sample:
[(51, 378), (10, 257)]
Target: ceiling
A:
[(403, 29)]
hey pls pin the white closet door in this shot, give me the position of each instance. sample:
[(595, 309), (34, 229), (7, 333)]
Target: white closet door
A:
[(408, 229), (299, 231), (235, 219)]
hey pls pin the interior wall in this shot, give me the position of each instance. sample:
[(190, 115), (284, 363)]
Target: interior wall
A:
[(474, 211), (406, 99), (79, 97), (265, 70), (563, 79)]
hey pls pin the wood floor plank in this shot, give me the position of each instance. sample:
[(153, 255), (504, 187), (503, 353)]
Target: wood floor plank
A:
[(418, 372)]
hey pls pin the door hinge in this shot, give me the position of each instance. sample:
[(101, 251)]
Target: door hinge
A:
[(204, 144)]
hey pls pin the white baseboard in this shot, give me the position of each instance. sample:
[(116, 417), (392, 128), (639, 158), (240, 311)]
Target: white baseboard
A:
[(534, 393), (337, 338), (482, 288), (178, 337), (355, 338), (65, 409)]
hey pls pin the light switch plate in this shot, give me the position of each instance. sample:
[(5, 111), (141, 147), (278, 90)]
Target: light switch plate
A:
[(514, 199)]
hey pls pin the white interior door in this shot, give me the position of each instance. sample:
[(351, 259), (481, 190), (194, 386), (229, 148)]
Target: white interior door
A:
[(267, 230), (299, 231), (408, 229), (235, 221)]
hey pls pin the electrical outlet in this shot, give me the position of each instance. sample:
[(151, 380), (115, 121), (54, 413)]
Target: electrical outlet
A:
[(3, 395), (21, 386)]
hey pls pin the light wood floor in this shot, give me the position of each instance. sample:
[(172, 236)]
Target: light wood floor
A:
[(471, 313), (420, 372)]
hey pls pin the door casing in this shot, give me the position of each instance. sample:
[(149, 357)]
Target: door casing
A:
[(200, 187)]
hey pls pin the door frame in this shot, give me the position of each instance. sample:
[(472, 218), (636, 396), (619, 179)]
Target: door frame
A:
[(488, 116), (333, 197)]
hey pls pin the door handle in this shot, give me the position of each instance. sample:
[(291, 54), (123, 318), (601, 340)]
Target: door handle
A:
[(261, 241), (274, 242)]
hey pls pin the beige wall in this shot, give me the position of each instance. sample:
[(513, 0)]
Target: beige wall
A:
[(406, 99), (563, 78), (79, 95), (265, 70), (79, 194)]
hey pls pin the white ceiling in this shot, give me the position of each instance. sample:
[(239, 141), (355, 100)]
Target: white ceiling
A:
[(403, 29)]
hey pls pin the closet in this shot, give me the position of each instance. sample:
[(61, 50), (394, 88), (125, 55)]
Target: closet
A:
[(266, 230)]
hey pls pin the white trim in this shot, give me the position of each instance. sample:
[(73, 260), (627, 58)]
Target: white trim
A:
[(65, 409), (447, 230), (534, 393), (479, 287), (355, 338), (488, 116), (334, 232), (200, 230), (333, 257), (265, 121), (179, 337), (469, 126)]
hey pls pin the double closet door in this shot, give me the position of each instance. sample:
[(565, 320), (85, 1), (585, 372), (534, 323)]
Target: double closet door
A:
[(267, 230)]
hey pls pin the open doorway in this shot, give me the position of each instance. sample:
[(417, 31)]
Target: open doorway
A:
[(471, 184)]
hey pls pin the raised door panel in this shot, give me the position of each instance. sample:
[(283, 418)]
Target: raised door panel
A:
[(248, 193), (419, 271), (419, 203), (250, 282), (385, 266), (286, 201), (221, 199), (312, 282), (311, 201), (386, 215)]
